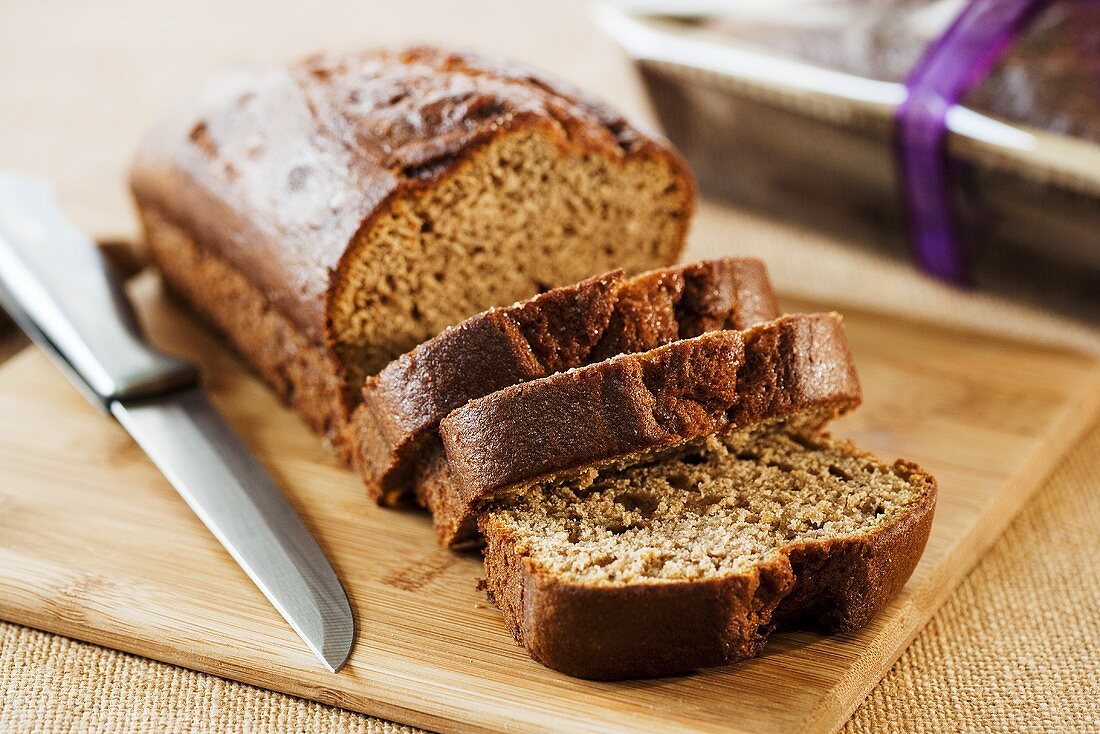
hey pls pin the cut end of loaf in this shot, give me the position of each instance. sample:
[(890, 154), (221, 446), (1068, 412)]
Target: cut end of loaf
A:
[(523, 213), (731, 504)]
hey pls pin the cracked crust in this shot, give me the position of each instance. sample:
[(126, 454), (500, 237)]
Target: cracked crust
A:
[(797, 367), (395, 427)]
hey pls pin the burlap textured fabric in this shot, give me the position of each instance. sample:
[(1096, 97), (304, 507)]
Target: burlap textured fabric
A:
[(1014, 649)]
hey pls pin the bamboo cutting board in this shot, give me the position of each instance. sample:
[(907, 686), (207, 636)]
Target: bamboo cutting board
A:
[(94, 544)]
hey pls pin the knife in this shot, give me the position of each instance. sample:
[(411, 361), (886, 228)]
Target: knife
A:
[(58, 287)]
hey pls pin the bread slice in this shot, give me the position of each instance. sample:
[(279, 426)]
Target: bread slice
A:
[(366, 201), (395, 426), (797, 368), (692, 561)]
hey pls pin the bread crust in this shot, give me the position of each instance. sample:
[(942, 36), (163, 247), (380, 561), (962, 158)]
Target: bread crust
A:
[(797, 367), (277, 171), (662, 306), (394, 427), (657, 629), (403, 404), (303, 374)]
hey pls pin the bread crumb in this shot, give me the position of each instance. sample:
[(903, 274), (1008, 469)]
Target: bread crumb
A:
[(715, 509)]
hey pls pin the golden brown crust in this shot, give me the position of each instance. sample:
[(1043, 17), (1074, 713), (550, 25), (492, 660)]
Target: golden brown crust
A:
[(301, 373), (249, 173), (654, 629), (403, 404), (558, 330), (796, 367)]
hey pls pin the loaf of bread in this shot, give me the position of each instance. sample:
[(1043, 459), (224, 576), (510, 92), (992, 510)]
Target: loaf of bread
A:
[(634, 407), (395, 427), (330, 216), (640, 453), (694, 560)]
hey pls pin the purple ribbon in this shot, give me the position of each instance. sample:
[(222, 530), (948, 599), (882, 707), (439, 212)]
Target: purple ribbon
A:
[(950, 66)]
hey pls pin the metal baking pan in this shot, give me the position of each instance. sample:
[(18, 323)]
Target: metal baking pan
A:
[(815, 145)]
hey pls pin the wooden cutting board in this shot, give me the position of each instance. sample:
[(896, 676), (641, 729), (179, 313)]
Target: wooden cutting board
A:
[(94, 544)]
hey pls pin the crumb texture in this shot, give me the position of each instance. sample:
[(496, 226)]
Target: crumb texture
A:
[(719, 509), (520, 216), (692, 560)]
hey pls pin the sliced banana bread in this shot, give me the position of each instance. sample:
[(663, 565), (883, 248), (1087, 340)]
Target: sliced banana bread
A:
[(692, 561), (330, 216), (395, 427), (626, 409)]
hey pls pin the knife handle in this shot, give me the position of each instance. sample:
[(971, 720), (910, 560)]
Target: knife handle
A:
[(68, 298)]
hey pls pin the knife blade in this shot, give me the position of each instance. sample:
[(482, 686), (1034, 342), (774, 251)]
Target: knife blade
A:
[(58, 287)]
